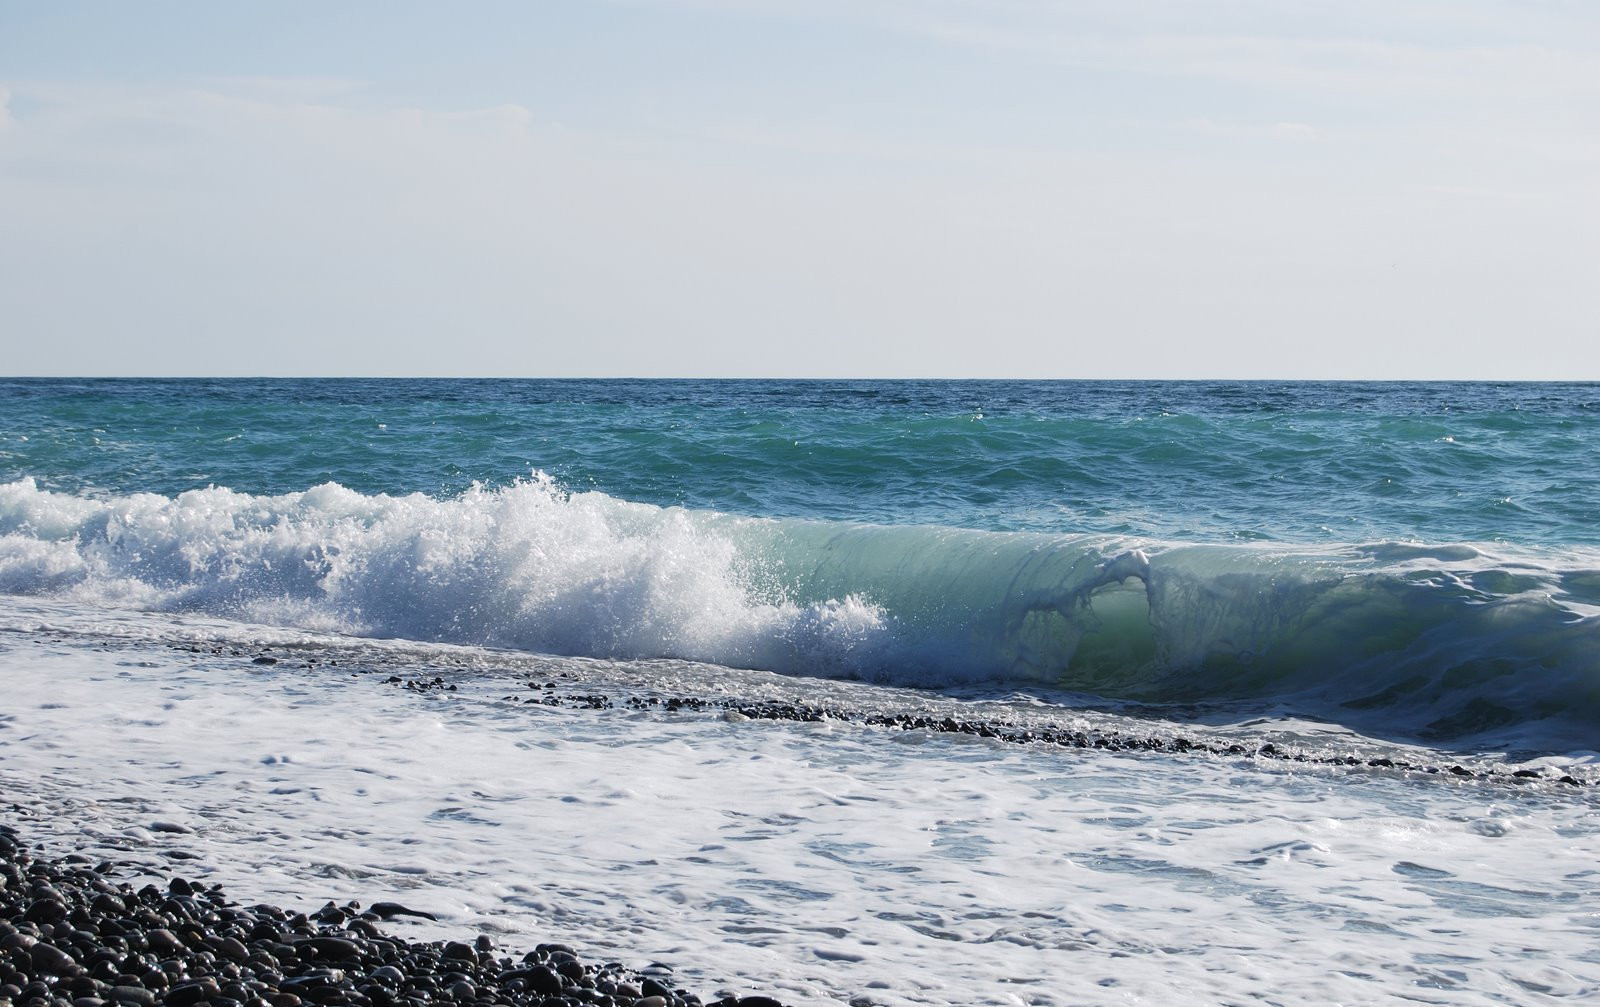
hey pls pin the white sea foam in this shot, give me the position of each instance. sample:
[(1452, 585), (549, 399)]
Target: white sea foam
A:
[(1442, 641), (528, 566), (820, 861)]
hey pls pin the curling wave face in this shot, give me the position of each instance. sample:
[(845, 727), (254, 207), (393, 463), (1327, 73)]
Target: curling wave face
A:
[(1439, 642)]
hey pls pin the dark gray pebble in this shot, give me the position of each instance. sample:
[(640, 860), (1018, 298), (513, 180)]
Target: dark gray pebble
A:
[(72, 936), (170, 827), (334, 948), (649, 987), (388, 975), (386, 910), (544, 980), (51, 959)]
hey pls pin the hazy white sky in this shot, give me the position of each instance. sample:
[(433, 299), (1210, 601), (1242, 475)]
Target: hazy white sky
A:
[(877, 188)]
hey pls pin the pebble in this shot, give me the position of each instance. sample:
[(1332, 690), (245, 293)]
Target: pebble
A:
[(69, 930), (739, 711)]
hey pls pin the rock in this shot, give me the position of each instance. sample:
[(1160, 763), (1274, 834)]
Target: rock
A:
[(232, 948), (45, 911), (572, 969), (543, 980), (163, 942), (51, 959), (175, 827), (191, 993), (555, 949), (72, 937), (386, 910), (649, 987), (333, 948), (388, 975)]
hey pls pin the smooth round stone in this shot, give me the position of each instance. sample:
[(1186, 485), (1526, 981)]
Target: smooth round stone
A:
[(164, 942), (545, 980), (49, 958), (189, 993), (651, 988), (232, 947), (388, 975)]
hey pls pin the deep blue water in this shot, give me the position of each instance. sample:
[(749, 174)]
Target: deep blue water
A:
[(1191, 461)]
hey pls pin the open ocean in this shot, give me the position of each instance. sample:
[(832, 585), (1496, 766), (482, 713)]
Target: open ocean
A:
[(876, 692)]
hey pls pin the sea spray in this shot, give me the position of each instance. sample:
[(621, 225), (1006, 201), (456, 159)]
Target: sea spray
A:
[(1450, 637)]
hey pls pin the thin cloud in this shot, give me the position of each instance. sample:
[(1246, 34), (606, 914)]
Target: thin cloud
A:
[(311, 218), (1486, 50)]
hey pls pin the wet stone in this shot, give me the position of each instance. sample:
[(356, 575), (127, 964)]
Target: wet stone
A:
[(72, 935), (544, 980), (51, 959)]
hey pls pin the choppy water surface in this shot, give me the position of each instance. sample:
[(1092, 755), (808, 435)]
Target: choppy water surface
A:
[(1193, 461), (1411, 569), (824, 862)]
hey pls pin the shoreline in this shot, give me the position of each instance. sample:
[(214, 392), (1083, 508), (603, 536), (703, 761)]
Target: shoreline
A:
[(851, 860), (76, 933), (1009, 732)]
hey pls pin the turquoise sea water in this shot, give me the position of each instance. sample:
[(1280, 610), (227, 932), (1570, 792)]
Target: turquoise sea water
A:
[(1417, 559)]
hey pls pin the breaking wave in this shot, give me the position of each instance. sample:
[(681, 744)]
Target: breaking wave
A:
[(1446, 640)]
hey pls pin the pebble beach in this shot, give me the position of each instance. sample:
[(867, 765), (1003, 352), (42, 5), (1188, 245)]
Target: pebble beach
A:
[(75, 933)]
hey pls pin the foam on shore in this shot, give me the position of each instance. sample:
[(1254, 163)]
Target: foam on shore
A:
[(818, 861)]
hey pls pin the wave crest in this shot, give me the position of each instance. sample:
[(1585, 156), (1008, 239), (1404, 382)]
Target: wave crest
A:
[(1446, 639), (528, 567)]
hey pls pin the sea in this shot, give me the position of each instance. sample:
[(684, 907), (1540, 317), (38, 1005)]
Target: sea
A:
[(667, 671)]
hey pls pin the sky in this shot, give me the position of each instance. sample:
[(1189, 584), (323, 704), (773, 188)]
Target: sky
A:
[(1393, 189)]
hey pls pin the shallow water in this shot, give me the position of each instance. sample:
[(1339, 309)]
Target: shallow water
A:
[(823, 861)]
